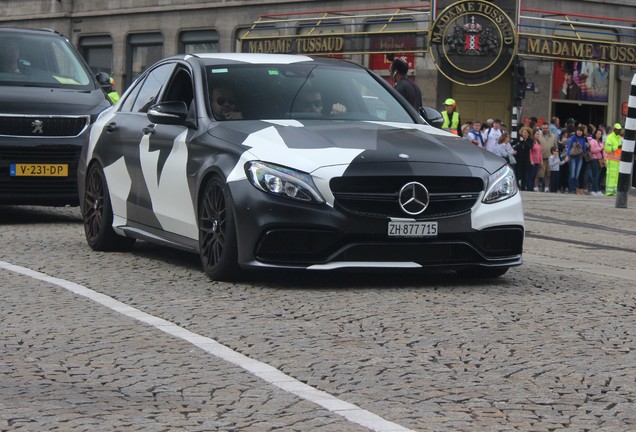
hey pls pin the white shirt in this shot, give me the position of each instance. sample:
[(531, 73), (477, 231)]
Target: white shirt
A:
[(491, 138)]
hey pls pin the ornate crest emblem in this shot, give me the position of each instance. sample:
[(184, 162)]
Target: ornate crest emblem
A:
[(472, 38), (473, 42)]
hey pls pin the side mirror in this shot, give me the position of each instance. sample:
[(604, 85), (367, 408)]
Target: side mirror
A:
[(169, 113), (432, 117), (103, 79)]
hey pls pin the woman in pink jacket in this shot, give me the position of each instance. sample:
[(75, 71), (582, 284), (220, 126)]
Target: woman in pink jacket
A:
[(536, 159), (596, 154)]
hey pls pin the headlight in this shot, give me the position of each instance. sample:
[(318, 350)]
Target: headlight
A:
[(282, 181), (501, 186)]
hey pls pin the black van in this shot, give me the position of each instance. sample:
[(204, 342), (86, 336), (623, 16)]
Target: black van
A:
[(48, 99)]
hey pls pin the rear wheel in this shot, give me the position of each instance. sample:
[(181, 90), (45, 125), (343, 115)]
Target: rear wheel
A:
[(217, 232), (98, 214)]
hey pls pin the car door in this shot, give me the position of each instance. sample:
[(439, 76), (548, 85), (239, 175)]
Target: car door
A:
[(168, 207), (124, 135)]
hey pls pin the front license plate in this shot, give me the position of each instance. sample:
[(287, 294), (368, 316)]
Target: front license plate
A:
[(39, 170), (412, 229)]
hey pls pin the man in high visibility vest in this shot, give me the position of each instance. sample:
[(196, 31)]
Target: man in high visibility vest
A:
[(613, 146), (452, 123), (112, 94)]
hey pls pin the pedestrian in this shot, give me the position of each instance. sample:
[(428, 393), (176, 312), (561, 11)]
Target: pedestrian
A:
[(399, 74), (452, 121), (112, 94), (491, 136), (555, 165), (475, 134), (522, 147), (506, 150), (536, 159), (613, 148), (555, 127), (596, 148), (564, 169), (547, 141), (574, 152)]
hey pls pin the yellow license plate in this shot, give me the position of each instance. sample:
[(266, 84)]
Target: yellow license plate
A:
[(39, 170)]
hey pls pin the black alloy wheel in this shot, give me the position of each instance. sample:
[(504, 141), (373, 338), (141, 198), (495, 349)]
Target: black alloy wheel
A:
[(217, 232), (98, 214)]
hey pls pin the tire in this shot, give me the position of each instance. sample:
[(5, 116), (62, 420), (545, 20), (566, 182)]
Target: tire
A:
[(217, 232), (483, 272), (97, 213)]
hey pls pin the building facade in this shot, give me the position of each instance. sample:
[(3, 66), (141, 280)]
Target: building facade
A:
[(494, 57)]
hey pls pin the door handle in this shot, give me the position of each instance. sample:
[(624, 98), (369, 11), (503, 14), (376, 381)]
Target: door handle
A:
[(111, 127), (150, 129)]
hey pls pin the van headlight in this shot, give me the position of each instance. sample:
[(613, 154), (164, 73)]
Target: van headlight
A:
[(283, 181), (501, 186)]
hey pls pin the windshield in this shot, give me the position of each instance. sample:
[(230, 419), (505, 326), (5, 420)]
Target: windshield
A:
[(42, 61), (300, 91)]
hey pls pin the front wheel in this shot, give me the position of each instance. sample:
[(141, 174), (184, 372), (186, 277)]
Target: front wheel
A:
[(97, 213), (217, 232)]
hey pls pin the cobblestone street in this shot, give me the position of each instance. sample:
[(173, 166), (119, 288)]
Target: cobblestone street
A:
[(547, 347)]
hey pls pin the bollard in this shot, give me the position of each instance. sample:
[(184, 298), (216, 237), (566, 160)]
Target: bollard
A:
[(627, 154)]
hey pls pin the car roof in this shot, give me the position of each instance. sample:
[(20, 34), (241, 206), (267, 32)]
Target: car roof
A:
[(40, 31), (271, 59)]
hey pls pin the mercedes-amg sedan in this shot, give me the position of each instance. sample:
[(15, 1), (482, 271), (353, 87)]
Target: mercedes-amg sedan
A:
[(293, 162)]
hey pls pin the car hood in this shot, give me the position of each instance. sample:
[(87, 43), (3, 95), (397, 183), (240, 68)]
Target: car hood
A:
[(50, 101), (310, 145)]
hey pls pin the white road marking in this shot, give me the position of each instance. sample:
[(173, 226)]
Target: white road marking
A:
[(268, 373)]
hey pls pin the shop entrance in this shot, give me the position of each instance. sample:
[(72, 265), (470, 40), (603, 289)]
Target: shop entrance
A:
[(581, 112), (486, 101)]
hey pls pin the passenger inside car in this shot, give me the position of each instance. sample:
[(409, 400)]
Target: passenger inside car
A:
[(224, 104), (310, 101)]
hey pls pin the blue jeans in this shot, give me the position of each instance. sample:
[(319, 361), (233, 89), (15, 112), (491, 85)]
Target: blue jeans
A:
[(575, 165), (596, 171)]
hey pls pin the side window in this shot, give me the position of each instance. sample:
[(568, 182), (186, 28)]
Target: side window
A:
[(180, 87), (151, 87), (130, 97)]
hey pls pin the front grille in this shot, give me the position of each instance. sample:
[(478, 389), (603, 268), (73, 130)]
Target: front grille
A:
[(34, 126), (41, 154), (378, 196), (39, 190), (294, 246)]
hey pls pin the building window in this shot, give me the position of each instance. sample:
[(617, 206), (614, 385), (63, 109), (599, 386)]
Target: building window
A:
[(198, 41), (143, 51), (98, 53)]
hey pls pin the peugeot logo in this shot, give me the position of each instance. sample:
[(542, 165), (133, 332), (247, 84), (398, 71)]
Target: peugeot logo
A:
[(413, 198), (37, 127)]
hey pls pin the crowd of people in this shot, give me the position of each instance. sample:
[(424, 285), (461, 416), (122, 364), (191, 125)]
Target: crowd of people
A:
[(576, 158)]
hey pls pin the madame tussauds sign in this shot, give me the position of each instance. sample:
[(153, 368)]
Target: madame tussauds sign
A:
[(472, 42)]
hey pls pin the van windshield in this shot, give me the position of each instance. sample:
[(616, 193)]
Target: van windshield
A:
[(42, 61)]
